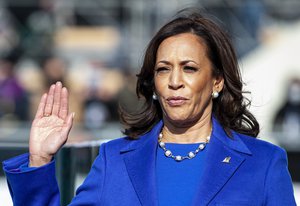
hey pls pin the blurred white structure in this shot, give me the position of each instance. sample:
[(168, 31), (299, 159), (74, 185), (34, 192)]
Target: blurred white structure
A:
[(267, 70)]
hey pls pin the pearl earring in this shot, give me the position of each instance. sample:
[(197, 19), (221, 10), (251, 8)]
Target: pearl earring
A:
[(154, 96), (215, 94)]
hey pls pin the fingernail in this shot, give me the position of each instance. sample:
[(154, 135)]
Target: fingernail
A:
[(73, 115)]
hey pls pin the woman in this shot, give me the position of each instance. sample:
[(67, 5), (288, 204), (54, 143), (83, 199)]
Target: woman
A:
[(193, 142)]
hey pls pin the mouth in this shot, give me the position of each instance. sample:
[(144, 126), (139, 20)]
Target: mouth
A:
[(176, 101)]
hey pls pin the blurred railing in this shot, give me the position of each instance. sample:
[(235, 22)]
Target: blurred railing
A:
[(80, 149)]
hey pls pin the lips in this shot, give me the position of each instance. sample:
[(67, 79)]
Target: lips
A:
[(176, 100)]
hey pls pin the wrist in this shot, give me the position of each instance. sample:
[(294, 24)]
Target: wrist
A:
[(38, 160)]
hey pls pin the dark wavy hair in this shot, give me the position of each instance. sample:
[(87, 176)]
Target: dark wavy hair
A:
[(230, 108)]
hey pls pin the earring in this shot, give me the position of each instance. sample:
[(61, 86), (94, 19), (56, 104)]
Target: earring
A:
[(154, 96), (215, 94)]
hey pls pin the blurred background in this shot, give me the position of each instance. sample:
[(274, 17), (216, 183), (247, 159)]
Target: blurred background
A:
[(95, 47)]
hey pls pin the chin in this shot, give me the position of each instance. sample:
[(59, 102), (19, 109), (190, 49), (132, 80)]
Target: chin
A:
[(178, 120)]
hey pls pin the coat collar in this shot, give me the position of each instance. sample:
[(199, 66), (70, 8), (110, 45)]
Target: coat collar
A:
[(140, 156), (234, 142), (217, 172), (218, 132)]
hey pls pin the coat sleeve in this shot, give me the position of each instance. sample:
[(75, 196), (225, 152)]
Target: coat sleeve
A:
[(278, 184), (34, 187), (38, 186)]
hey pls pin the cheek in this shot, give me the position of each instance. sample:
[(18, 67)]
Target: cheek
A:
[(156, 84), (201, 94), (159, 85), (200, 86)]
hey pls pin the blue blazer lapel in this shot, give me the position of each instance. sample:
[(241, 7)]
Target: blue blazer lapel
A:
[(217, 169), (139, 158)]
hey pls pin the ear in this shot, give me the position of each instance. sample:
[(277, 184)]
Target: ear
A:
[(218, 83)]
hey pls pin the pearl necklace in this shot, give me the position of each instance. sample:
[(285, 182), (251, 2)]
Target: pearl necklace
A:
[(179, 158)]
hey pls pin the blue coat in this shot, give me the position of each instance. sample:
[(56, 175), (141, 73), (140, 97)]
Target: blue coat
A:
[(124, 174)]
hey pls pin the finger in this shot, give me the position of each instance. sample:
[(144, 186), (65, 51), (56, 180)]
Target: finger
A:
[(41, 107), (68, 125), (49, 101), (64, 104), (56, 98)]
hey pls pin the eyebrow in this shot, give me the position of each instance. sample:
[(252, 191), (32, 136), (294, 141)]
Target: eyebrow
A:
[(181, 63)]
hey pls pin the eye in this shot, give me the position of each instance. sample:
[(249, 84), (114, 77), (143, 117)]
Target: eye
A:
[(190, 69), (161, 69)]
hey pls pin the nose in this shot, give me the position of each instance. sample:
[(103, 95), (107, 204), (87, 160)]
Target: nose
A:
[(175, 80)]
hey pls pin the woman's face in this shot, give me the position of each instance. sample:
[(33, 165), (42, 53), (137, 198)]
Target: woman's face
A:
[(183, 79)]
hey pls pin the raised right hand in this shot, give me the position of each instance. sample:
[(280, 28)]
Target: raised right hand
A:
[(51, 126)]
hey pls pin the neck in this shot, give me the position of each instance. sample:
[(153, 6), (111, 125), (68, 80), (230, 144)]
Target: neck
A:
[(198, 131)]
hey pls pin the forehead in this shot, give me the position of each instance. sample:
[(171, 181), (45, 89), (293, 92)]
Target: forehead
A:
[(185, 45)]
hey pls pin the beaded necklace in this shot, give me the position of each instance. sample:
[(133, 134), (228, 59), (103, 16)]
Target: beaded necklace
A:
[(180, 158)]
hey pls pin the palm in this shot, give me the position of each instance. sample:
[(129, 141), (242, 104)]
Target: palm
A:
[(51, 125), (47, 135)]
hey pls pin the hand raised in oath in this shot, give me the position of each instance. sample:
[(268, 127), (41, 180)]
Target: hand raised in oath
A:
[(51, 125)]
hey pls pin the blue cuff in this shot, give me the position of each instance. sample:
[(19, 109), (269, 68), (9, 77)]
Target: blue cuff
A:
[(20, 164), (24, 167)]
